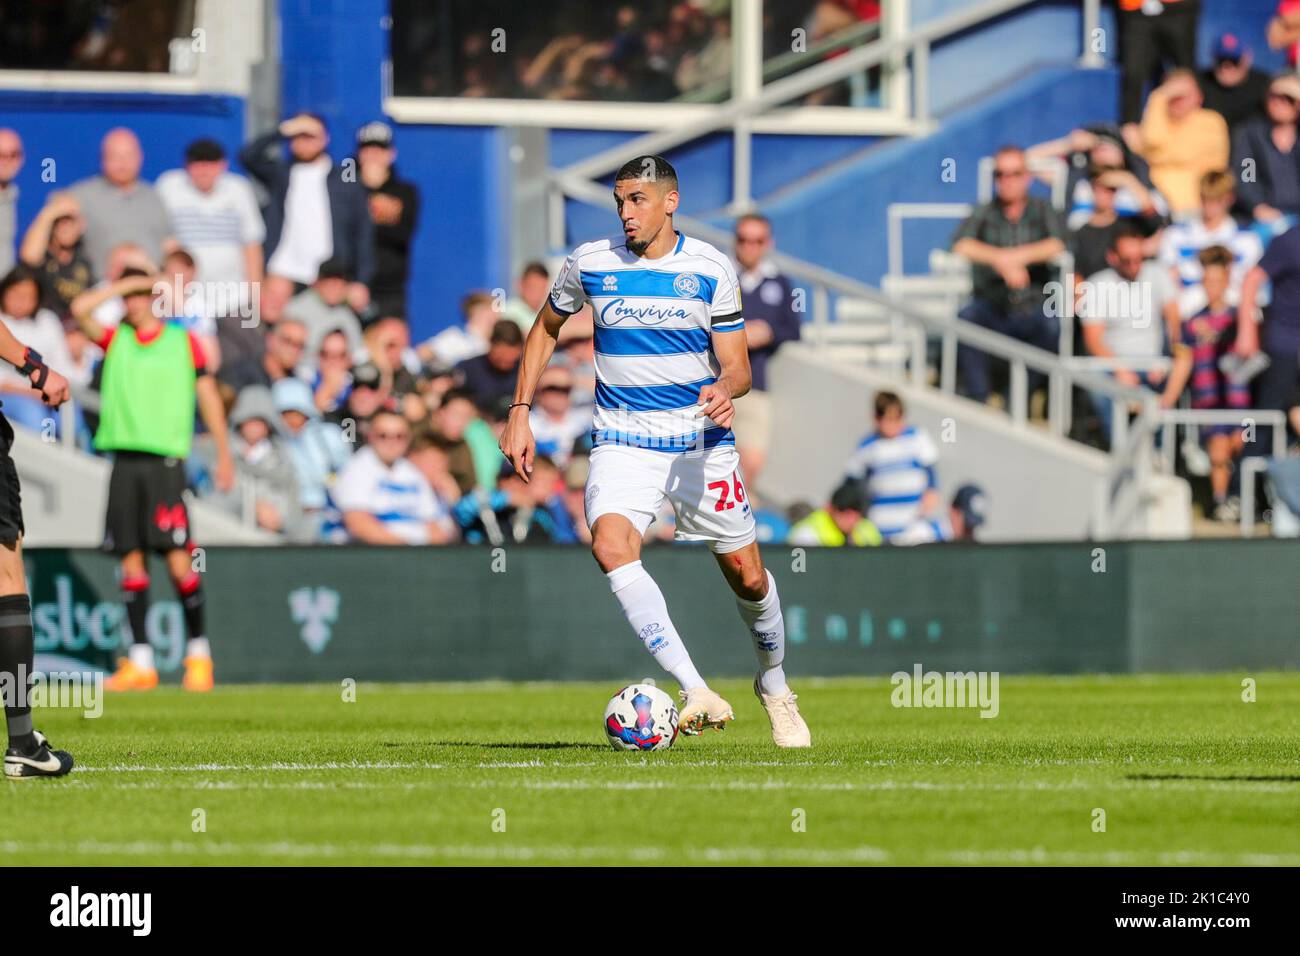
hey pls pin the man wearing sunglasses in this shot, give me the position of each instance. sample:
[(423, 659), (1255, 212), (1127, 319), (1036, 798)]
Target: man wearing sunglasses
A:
[(1010, 242), (1233, 88), (1268, 145)]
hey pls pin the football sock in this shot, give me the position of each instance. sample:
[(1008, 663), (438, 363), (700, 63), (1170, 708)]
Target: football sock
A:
[(191, 594), (135, 595), (16, 650), (645, 609), (767, 628)]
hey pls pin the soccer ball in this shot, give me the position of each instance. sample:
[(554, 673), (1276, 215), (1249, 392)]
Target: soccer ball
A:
[(641, 717)]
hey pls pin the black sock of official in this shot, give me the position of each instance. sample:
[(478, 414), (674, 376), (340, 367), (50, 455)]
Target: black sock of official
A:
[(16, 653), (135, 595), (191, 594)]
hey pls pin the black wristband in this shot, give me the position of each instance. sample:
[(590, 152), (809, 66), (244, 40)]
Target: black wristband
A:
[(513, 405)]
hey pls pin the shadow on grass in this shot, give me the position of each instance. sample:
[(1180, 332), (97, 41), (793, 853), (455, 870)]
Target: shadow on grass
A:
[(499, 745), (1243, 778)]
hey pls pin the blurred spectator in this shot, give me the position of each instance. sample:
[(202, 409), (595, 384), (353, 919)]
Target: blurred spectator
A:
[(1213, 227), (284, 352), (263, 469), (456, 343), (1233, 88), (575, 495), (1101, 147), (530, 294), (38, 329), (1010, 242), (388, 347), (317, 449), (518, 512), (450, 423), (1205, 339), (1090, 241), (557, 426), (1181, 140), (770, 322), (368, 396), (52, 245), (119, 207), (1151, 36), (430, 455), (394, 209), (1279, 332), (896, 466), (188, 305), (838, 523), (491, 376), (216, 218), (382, 497), (967, 511), (1123, 310), (314, 213), (322, 308), (11, 163), (576, 351), (1284, 29), (1267, 161), (331, 381)]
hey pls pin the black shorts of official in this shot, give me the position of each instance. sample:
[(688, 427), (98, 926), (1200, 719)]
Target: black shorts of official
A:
[(146, 504), (11, 501)]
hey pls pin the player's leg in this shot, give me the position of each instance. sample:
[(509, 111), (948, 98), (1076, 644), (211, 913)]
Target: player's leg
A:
[(189, 589), (623, 493), (137, 670), (124, 535), (712, 505)]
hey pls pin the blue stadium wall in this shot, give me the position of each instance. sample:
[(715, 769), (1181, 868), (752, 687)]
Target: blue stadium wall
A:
[(1006, 80)]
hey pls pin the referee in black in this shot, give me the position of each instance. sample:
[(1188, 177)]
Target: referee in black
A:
[(29, 754)]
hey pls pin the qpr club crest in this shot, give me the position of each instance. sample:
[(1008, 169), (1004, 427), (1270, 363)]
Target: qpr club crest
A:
[(687, 285)]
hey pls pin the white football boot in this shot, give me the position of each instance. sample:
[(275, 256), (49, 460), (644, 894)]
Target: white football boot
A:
[(788, 726), (703, 709)]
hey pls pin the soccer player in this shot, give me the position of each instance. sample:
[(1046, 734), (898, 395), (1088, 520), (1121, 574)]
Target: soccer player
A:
[(28, 754), (671, 357), (154, 374)]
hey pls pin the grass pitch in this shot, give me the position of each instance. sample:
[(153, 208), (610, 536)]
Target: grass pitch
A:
[(1185, 771)]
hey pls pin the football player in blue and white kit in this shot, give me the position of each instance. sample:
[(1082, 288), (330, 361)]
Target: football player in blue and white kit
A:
[(671, 358)]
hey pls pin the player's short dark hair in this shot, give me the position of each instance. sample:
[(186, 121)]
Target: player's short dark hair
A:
[(885, 401), (506, 332), (1215, 256), (849, 496), (536, 268), (204, 151), (654, 168), (1125, 229)]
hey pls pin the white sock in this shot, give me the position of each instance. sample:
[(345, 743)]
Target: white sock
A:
[(645, 609), (767, 628), (198, 647), (142, 656)]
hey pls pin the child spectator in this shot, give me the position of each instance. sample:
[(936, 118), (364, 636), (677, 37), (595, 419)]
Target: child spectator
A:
[(895, 464), (317, 449), (1207, 336)]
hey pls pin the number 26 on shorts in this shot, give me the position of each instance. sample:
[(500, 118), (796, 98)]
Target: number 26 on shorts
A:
[(729, 492)]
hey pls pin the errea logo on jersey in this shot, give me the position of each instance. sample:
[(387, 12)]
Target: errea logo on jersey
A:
[(687, 285), (611, 283)]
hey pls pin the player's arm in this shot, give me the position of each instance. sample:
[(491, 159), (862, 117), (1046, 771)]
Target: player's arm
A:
[(52, 386), (213, 413), (733, 380), (517, 439), (83, 306)]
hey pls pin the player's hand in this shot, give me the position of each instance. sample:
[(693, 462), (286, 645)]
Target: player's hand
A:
[(56, 391), (225, 474), (715, 403), (133, 284), (517, 442)]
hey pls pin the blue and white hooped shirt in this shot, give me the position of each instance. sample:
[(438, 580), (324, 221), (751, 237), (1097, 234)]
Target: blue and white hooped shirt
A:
[(653, 324)]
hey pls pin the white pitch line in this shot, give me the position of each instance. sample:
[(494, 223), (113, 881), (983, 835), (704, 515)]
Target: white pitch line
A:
[(249, 767)]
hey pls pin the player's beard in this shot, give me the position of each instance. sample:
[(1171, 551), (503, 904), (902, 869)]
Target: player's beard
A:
[(639, 246)]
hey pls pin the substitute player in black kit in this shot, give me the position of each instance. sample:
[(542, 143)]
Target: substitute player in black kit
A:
[(28, 754)]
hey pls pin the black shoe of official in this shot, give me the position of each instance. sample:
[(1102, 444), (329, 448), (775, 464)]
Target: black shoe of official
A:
[(41, 762)]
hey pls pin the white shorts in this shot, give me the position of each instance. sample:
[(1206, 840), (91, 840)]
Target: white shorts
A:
[(705, 489)]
